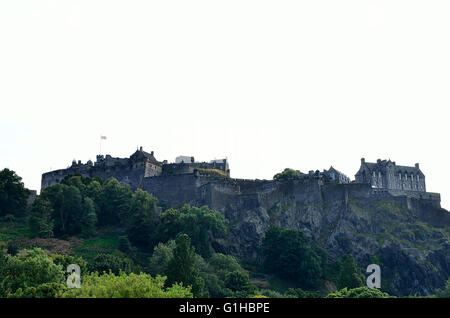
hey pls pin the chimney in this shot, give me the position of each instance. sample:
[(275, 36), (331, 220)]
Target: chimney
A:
[(192, 159), (140, 148), (417, 166), (363, 161), (378, 160), (152, 153)]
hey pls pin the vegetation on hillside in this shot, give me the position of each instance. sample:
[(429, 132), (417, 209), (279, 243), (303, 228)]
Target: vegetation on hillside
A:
[(128, 245)]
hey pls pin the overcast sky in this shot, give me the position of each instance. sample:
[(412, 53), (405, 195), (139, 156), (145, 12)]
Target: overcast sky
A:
[(268, 84)]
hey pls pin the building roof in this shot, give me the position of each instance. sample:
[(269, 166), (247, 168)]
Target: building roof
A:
[(140, 155), (381, 166)]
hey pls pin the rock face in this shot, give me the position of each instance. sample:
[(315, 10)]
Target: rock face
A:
[(407, 237)]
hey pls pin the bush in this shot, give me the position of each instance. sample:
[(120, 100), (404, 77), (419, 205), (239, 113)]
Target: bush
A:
[(46, 290), (360, 292), (31, 269), (13, 195), (162, 254), (300, 293), (66, 260), (287, 174), (126, 286), (109, 262), (289, 254)]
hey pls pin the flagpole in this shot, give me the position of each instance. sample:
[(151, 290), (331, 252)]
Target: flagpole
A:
[(100, 144)]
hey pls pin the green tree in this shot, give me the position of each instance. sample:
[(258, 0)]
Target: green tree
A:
[(169, 225), (239, 282), (350, 275), (29, 270), (88, 218), (162, 254), (300, 293), (13, 195), (288, 253), (360, 292), (65, 260), (67, 207), (40, 219), (142, 220), (126, 286), (287, 173), (110, 262), (46, 290), (77, 181), (202, 225), (114, 202), (182, 267)]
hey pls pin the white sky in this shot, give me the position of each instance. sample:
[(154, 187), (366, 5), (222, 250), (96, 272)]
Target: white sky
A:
[(268, 84)]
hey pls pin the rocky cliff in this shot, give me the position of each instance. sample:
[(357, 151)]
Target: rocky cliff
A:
[(408, 237)]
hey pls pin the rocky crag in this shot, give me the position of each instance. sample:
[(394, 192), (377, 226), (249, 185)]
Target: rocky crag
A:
[(408, 236)]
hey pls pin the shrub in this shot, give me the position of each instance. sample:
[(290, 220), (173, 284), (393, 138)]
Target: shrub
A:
[(126, 286), (360, 292)]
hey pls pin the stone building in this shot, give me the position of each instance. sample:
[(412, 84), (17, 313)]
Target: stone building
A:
[(385, 174), (133, 170)]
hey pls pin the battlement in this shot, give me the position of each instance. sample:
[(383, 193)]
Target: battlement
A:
[(189, 181), (134, 169)]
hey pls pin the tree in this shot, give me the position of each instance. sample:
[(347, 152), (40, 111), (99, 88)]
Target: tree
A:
[(29, 270), (142, 219), (291, 255), (40, 219), (300, 293), (350, 275), (88, 218), (182, 267), (287, 173), (162, 254), (202, 225), (360, 292), (126, 286), (239, 282), (71, 212), (13, 195), (169, 225), (67, 208), (111, 263), (46, 290), (114, 202), (77, 181), (65, 260)]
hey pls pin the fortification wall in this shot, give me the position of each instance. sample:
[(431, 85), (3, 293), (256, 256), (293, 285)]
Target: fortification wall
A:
[(132, 176), (174, 190)]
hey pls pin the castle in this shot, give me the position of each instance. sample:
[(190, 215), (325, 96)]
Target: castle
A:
[(134, 169), (209, 183), (387, 175)]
